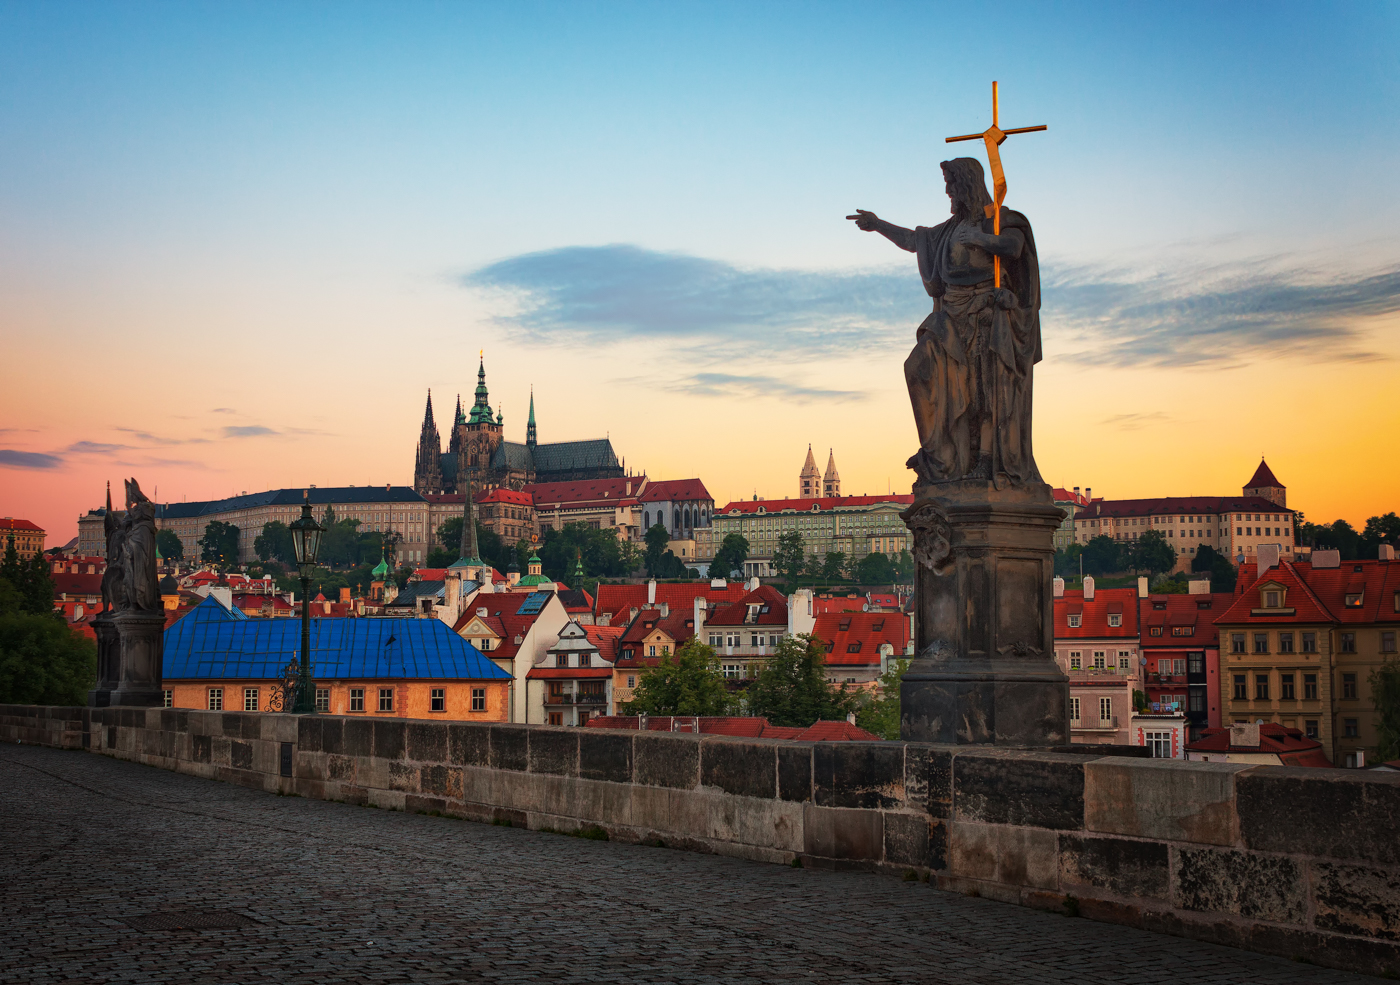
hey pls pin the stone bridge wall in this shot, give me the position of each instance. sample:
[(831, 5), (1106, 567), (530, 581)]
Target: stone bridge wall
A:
[(1303, 863)]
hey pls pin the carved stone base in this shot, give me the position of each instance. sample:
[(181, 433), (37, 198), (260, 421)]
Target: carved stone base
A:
[(984, 669), (108, 660), (141, 636)]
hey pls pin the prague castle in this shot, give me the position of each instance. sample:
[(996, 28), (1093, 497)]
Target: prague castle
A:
[(478, 452)]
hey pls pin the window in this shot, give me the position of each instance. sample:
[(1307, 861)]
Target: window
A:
[(216, 699), (1183, 630), (1237, 642), (1241, 688), (556, 718), (250, 699), (386, 699), (1353, 600), (1074, 660), (1098, 660), (1271, 600), (1160, 743), (1074, 709), (1105, 710), (561, 660), (651, 651), (1348, 642), (716, 640), (853, 647), (1261, 687), (1310, 729), (478, 699), (438, 699), (1197, 701), (485, 644), (631, 681), (1196, 663), (323, 699), (1125, 660), (1387, 643), (1349, 685), (357, 699), (1351, 728), (1115, 619), (733, 671), (1309, 687), (1074, 622), (1261, 642), (585, 659), (1309, 642), (168, 696), (1285, 687), (1285, 642)]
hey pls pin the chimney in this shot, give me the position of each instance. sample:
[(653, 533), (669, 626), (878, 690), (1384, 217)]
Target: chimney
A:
[(665, 610), (629, 487), (1387, 552), (1326, 559), (605, 619), (1142, 587), (651, 591), (700, 612), (1089, 493), (1076, 492), (1059, 584), (1088, 588), (1267, 557), (1244, 735), (481, 611), (633, 613), (345, 595), (326, 605), (1200, 586)]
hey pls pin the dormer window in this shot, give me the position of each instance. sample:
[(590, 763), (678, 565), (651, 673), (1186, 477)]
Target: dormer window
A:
[(1155, 631), (1205, 604), (1271, 600), (1159, 606), (853, 647), (843, 625), (1115, 620), (1074, 622), (878, 626), (1353, 600)]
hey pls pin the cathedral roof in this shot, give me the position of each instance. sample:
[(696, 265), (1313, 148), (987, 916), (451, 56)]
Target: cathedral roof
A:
[(1263, 477), (563, 456)]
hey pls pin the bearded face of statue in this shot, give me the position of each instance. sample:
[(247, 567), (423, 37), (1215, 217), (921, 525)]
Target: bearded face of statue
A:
[(966, 185)]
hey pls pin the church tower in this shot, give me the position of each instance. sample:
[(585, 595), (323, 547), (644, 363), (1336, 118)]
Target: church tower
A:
[(1264, 485), (831, 482), (809, 484), (427, 468), (482, 434), (531, 438)]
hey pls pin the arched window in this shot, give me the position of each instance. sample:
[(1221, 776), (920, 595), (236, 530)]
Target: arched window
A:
[(676, 523), (686, 516)]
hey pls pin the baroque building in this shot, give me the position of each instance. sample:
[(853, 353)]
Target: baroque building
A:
[(478, 452)]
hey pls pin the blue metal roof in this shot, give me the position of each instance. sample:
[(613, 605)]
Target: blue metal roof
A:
[(214, 643)]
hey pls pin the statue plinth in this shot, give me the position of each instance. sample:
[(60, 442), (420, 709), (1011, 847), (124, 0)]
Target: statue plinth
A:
[(984, 668), (141, 638)]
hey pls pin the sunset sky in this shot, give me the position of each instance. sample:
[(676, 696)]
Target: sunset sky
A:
[(239, 242)]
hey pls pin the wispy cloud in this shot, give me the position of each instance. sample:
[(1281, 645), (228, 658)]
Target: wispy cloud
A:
[(12, 458), (95, 448), (1210, 317), (247, 431), (223, 410), (1133, 422), (19, 430), (154, 439), (750, 387)]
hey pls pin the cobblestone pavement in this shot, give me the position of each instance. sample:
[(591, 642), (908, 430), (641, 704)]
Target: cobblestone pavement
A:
[(335, 893)]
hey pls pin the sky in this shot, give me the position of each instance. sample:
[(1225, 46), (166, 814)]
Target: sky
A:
[(240, 242)]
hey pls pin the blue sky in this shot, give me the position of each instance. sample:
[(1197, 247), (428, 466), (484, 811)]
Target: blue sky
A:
[(641, 204)]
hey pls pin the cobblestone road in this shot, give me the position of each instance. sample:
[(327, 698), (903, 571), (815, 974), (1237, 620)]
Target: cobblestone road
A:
[(335, 893)]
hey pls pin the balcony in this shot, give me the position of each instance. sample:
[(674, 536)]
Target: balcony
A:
[(567, 698)]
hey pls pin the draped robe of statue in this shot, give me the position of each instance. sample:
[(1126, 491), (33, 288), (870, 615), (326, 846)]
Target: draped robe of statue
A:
[(139, 551), (972, 361)]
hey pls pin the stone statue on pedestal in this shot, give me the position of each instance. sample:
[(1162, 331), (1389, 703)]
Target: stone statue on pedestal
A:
[(983, 520), (130, 628)]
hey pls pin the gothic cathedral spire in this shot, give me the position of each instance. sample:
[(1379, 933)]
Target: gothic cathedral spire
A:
[(531, 438), (427, 466), (809, 482), (831, 482)]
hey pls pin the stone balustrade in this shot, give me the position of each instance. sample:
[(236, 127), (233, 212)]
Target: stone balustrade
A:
[(1303, 863)]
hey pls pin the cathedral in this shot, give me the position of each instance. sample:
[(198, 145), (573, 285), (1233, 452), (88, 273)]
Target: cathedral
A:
[(477, 452)]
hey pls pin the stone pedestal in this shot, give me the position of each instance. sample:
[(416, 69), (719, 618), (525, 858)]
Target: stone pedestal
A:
[(108, 660), (141, 636), (984, 668)]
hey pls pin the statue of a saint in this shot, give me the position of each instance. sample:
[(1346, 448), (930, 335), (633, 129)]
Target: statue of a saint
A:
[(114, 577), (139, 550), (969, 375)]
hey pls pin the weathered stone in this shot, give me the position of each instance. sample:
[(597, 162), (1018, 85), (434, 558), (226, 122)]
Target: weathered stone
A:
[(309, 729), (554, 750), (748, 768), (795, 772), (332, 734), (928, 779), (1044, 790), (403, 777), (426, 742), (359, 737), (510, 747), (907, 838), (388, 738), (1015, 856), (605, 754), (832, 832), (1263, 887), (1162, 798), (201, 748), (1357, 899), (858, 774), (469, 745), (1119, 865), (664, 759), (1345, 815)]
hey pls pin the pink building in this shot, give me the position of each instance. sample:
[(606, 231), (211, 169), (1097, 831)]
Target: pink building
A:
[(1096, 645)]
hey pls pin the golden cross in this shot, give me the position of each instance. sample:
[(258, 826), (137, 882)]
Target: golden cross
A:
[(993, 136)]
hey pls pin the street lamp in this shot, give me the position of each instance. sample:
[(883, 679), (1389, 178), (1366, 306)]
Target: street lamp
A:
[(306, 542)]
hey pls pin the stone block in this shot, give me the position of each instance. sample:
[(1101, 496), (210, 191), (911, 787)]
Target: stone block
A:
[(834, 832), (359, 737), (795, 772), (1000, 853), (928, 779), (333, 735), (605, 754), (1162, 798), (858, 774), (240, 754), (404, 777), (200, 748), (426, 741), (510, 747), (907, 839), (746, 767), (1352, 814), (664, 759), (554, 750), (469, 744), (388, 738), (309, 731), (1043, 790), (1118, 865), (444, 781), (1259, 887), (1361, 900), (341, 769)]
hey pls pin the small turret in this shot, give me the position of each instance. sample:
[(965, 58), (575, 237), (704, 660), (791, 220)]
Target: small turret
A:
[(809, 481), (831, 481)]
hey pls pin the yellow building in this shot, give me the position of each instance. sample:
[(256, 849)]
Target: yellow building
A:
[(28, 537)]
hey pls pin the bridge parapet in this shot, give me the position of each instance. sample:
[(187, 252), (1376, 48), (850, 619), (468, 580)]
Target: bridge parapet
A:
[(1303, 863)]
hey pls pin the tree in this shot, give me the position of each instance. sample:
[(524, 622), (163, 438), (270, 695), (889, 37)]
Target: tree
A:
[(792, 689), (1385, 695), (169, 544), (1222, 572), (904, 568), (875, 569), (603, 554), (1151, 553), (790, 556), (1336, 536), (879, 715), (275, 543), (730, 556), (43, 662), (687, 683), (27, 586), (656, 540), (1101, 556), (834, 566), (1067, 561), (219, 544), (1379, 530)]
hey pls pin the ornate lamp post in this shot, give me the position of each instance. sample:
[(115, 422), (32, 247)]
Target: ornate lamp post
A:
[(306, 542)]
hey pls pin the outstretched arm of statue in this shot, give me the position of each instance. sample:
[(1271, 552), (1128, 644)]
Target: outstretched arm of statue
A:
[(872, 223), (1008, 245)]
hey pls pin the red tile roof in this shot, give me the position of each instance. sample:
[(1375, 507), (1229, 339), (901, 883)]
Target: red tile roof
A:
[(821, 503), (679, 625), (841, 603), (751, 727), (865, 631), (504, 621), (1289, 744), (567, 673), (12, 523), (737, 613), (550, 494), (1319, 594), (1094, 613), (1066, 496), (1177, 505), (605, 638), (76, 583), (1263, 476), (501, 495), (673, 489), (1183, 610), (618, 600)]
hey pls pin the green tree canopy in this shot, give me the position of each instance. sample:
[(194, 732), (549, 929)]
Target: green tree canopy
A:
[(275, 543), (875, 569), (904, 568), (1210, 561), (790, 556), (1102, 556), (792, 689), (688, 682), (1151, 553), (604, 556), (879, 714), (1385, 695), (27, 585), (834, 565), (730, 556), (219, 545), (169, 544), (43, 662), (656, 539)]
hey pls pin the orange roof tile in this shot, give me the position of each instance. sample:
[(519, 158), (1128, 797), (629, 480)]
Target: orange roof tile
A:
[(854, 638), (1094, 613)]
